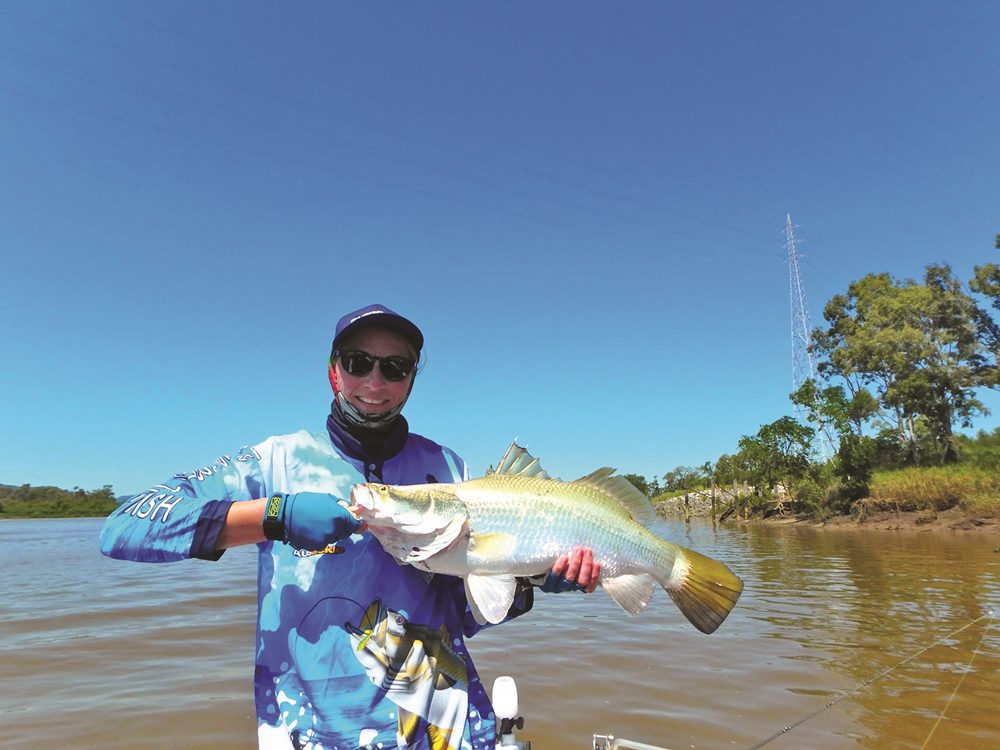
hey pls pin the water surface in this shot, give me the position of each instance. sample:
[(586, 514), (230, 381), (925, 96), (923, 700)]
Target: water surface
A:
[(98, 653)]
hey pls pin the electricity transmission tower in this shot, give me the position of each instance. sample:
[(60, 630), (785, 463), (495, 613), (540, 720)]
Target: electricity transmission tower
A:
[(802, 364)]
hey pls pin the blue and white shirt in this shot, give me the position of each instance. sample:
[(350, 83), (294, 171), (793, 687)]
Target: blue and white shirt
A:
[(353, 649)]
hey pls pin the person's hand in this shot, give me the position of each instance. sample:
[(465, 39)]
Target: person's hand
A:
[(576, 571), (314, 520)]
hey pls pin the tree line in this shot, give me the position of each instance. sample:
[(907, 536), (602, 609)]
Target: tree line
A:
[(52, 502), (898, 365)]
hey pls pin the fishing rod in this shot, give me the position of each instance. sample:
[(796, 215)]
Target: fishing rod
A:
[(866, 683), (609, 742)]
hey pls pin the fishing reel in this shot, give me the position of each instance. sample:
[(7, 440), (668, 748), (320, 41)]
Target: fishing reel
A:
[(505, 708)]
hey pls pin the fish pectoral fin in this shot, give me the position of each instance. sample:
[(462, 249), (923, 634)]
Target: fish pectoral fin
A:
[(490, 596), (495, 546), (423, 546), (631, 592), (704, 589)]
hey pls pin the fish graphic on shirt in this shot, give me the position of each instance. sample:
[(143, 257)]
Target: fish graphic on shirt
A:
[(419, 672)]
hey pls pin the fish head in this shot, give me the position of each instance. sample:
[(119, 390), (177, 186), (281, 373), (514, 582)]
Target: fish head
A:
[(367, 499), (411, 522), (382, 505)]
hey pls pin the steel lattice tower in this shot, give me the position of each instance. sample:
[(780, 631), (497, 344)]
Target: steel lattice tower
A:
[(802, 364)]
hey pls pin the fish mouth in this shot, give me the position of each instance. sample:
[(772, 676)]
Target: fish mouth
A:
[(361, 497), (364, 500)]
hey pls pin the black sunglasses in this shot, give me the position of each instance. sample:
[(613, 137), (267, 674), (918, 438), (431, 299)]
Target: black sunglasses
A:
[(360, 363)]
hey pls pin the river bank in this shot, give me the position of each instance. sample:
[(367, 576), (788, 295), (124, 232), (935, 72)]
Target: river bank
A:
[(952, 519), (868, 514)]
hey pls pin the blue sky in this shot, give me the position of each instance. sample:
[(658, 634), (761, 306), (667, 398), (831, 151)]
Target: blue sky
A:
[(581, 204)]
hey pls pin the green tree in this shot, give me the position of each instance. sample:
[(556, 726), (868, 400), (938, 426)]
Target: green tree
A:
[(832, 407), (778, 453), (682, 478), (982, 451), (914, 347), (855, 465), (986, 281), (728, 470)]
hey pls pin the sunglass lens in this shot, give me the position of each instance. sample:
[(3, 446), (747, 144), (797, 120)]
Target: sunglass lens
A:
[(358, 363), (395, 368)]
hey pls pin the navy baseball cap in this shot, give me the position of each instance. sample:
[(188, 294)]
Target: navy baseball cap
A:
[(382, 316)]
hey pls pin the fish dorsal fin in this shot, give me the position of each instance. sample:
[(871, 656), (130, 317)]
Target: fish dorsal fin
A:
[(622, 492), (517, 461)]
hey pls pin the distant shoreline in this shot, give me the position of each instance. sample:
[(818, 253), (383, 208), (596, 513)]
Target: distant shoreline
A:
[(26, 501)]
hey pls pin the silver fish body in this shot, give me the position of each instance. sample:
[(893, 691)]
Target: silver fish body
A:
[(517, 521)]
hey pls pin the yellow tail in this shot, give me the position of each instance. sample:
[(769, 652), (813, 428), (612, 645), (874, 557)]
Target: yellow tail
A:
[(705, 589)]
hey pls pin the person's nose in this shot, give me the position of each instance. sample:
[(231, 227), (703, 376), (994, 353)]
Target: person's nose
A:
[(376, 375)]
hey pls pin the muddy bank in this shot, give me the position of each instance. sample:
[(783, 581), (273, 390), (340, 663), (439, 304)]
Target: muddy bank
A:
[(953, 519)]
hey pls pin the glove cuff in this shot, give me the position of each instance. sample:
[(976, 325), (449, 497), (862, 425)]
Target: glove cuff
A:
[(274, 526)]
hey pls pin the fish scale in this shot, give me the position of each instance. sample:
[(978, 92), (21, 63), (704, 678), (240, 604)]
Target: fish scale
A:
[(516, 521), (546, 524)]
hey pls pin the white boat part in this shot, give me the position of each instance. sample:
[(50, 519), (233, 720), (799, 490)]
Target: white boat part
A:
[(610, 742), (505, 708)]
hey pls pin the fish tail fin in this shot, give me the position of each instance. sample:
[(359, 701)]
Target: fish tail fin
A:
[(704, 589)]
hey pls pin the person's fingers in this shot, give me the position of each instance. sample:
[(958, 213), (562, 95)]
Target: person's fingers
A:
[(560, 565), (595, 577), (573, 569), (586, 568)]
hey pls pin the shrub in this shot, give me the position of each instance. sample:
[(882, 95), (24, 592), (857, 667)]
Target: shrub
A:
[(982, 451)]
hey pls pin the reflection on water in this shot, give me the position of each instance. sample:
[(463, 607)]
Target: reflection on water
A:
[(103, 654)]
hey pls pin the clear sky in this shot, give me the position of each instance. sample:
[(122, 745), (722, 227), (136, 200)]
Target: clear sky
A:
[(582, 204)]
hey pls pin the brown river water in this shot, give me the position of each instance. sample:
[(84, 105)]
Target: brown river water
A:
[(96, 653)]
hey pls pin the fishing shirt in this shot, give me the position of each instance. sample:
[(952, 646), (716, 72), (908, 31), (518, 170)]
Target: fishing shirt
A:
[(353, 649)]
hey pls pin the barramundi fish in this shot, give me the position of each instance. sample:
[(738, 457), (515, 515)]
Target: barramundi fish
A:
[(516, 521)]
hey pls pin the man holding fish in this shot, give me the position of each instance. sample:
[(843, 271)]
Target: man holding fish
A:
[(354, 648)]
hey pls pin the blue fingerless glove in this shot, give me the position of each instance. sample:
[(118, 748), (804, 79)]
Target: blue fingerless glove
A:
[(556, 584), (313, 520)]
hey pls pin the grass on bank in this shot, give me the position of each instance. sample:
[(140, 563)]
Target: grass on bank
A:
[(974, 490)]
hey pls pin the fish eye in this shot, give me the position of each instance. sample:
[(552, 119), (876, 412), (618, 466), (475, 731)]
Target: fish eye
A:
[(382, 488)]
